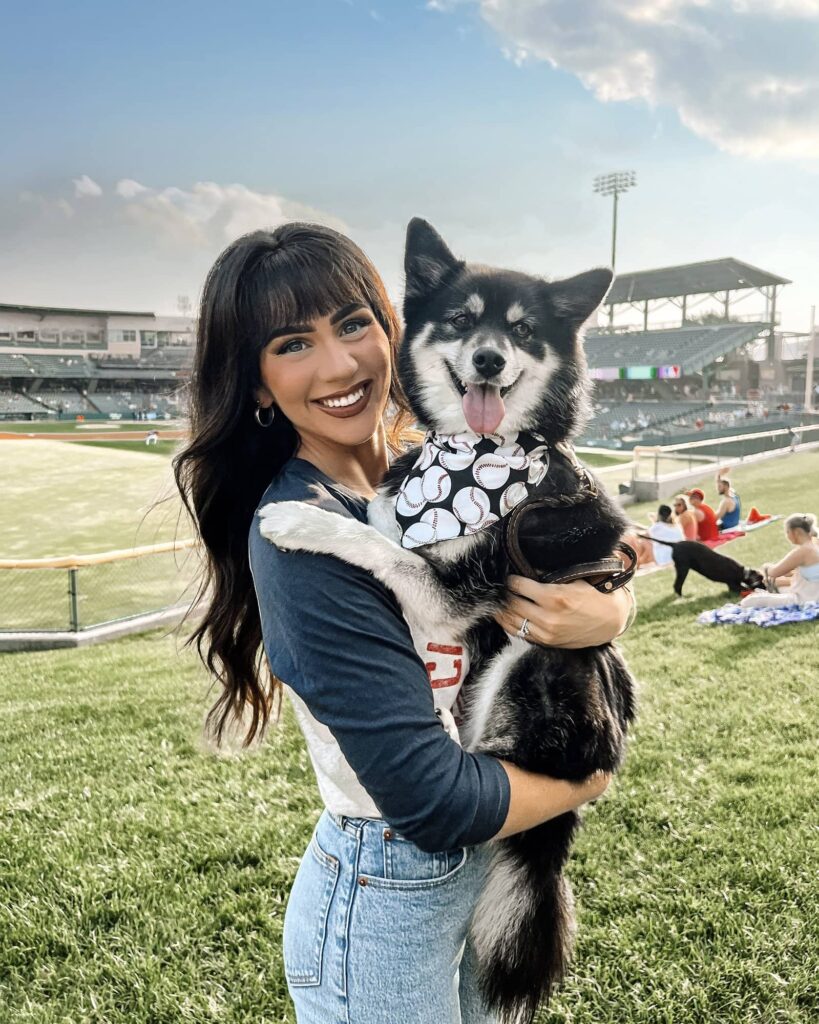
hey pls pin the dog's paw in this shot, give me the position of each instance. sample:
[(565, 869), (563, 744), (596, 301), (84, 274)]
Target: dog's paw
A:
[(295, 525)]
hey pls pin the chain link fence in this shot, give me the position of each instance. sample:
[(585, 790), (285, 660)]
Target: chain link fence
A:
[(82, 591)]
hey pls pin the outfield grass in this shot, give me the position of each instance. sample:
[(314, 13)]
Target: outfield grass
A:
[(144, 882), (88, 426), (65, 499), (166, 448)]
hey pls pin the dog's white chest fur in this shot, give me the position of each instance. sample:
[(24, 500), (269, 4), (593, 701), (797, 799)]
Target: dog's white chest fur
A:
[(445, 657)]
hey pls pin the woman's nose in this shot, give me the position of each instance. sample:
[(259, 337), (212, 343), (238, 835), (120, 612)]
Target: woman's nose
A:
[(338, 362)]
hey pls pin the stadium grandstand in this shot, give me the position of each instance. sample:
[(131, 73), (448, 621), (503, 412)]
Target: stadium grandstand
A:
[(58, 363), (708, 372)]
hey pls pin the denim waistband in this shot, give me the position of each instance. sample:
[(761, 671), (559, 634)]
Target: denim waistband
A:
[(356, 825)]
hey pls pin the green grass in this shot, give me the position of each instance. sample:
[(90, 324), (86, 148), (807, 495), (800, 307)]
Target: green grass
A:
[(64, 498), (143, 881), (89, 426), (166, 448)]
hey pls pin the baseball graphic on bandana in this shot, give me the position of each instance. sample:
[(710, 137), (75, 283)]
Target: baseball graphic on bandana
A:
[(488, 519), (464, 443), (513, 495), (427, 456), (436, 484), (418, 534), (410, 498), (471, 505), (454, 462), (442, 521), (537, 471), (513, 455), (490, 471)]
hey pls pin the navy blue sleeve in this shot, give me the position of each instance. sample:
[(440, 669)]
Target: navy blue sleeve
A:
[(335, 635)]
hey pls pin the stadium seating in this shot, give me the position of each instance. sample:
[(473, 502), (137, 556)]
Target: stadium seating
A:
[(614, 419), (14, 365), (14, 402), (71, 402), (690, 347), (75, 366)]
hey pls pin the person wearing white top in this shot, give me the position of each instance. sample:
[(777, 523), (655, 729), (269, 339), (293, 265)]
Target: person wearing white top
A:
[(665, 530)]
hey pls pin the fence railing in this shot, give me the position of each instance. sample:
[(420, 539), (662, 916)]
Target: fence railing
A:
[(77, 592)]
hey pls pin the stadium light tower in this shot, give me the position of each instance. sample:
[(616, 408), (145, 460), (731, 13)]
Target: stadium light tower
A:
[(613, 185)]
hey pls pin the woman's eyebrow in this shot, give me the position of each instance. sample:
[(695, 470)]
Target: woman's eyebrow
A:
[(293, 329), (351, 307)]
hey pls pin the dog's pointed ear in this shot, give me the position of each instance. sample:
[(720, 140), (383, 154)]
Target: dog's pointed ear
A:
[(576, 298), (427, 259)]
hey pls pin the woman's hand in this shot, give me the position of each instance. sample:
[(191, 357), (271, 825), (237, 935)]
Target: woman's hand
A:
[(565, 614)]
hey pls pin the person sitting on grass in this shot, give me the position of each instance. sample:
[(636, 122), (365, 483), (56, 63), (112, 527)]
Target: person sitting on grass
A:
[(705, 516), (664, 529), (803, 562), (684, 517), (730, 508)]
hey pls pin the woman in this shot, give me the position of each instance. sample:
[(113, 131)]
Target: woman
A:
[(684, 517), (294, 398), (803, 562)]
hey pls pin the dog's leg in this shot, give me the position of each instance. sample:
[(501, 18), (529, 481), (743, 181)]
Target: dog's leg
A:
[(297, 526), (682, 574)]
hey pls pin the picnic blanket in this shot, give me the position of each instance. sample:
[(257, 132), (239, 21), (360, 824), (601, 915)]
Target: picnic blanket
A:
[(723, 538), (748, 526), (733, 615)]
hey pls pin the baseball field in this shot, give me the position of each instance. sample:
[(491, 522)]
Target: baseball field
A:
[(143, 880)]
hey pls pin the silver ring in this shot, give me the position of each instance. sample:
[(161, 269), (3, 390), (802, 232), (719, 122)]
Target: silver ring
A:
[(523, 632)]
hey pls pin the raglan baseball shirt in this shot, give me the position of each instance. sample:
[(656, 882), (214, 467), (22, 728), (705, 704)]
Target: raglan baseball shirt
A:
[(337, 640)]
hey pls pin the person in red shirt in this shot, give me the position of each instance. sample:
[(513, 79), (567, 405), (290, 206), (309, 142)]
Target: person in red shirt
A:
[(707, 528)]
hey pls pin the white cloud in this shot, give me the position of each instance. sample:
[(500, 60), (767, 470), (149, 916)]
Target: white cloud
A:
[(134, 247), (127, 188), (86, 188), (211, 214), (741, 73)]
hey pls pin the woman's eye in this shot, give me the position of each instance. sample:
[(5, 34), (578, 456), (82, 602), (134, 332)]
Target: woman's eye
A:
[(461, 321), (287, 346), (522, 330), (356, 325)]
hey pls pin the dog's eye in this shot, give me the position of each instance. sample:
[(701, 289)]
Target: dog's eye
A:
[(461, 321), (522, 330)]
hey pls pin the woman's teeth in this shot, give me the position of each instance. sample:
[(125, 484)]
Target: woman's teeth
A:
[(337, 403)]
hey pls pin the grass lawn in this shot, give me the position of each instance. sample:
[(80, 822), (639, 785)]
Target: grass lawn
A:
[(88, 426), (143, 881), (64, 499)]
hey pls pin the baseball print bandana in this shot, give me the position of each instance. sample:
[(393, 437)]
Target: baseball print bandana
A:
[(462, 483)]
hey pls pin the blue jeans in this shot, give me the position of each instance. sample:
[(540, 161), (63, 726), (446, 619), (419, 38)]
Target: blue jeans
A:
[(376, 930)]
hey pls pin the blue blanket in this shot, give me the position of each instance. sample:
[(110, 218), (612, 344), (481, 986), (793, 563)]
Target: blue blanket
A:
[(733, 615)]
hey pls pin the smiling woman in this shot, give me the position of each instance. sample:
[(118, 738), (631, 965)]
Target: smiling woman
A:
[(294, 398), (337, 367)]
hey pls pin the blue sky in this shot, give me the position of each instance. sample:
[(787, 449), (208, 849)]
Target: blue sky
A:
[(491, 119)]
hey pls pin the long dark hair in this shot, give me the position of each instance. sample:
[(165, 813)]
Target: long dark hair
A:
[(293, 274)]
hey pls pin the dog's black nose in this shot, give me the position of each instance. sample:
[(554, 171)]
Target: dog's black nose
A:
[(488, 362)]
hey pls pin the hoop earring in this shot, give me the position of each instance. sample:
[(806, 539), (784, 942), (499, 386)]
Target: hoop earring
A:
[(268, 422)]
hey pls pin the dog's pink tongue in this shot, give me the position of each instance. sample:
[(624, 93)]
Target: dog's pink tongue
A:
[(483, 408)]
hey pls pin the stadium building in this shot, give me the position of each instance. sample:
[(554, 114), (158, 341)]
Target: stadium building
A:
[(720, 365), (99, 364)]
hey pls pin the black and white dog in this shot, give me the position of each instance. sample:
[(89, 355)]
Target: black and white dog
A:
[(493, 367), (693, 555)]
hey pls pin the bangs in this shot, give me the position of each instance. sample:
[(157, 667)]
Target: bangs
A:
[(296, 284)]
